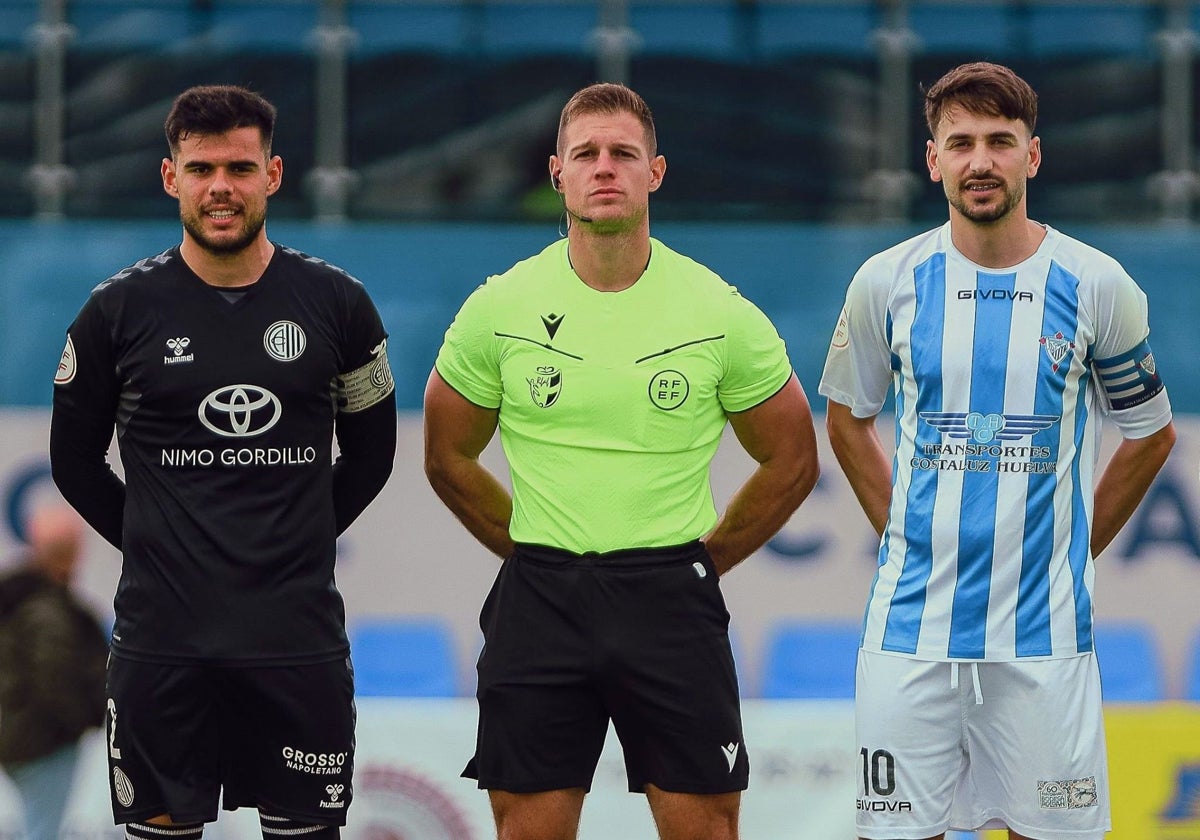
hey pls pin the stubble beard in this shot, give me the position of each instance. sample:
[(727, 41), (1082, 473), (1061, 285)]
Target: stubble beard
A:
[(986, 214), (193, 223)]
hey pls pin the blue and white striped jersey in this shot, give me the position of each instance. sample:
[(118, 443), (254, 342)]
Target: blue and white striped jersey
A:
[(1001, 378)]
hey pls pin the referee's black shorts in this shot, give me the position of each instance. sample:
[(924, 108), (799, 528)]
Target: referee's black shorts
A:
[(639, 637)]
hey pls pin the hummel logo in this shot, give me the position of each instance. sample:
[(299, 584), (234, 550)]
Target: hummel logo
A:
[(177, 346), (731, 752), (552, 323)]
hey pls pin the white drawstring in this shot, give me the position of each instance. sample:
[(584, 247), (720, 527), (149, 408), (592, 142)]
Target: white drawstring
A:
[(974, 680)]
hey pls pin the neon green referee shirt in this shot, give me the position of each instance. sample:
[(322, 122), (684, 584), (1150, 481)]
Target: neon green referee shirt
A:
[(612, 404)]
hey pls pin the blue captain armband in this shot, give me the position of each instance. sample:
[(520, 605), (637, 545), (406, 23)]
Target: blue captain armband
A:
[(1131, 378)]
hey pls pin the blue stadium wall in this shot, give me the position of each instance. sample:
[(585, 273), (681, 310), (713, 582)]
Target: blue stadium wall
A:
[(418, 275)]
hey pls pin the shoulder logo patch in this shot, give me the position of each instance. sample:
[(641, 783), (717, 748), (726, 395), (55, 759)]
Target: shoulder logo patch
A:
[(66, 365), (841, 333)]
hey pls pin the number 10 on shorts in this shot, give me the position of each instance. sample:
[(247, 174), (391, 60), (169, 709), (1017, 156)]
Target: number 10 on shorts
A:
[(879, 780)]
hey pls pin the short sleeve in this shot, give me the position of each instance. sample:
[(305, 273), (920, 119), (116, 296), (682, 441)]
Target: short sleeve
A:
[(758, 364), (858, 369), (1126, 371), (364, 329), (467, 359)]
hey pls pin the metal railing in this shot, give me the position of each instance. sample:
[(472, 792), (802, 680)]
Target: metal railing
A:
[(613, 43)]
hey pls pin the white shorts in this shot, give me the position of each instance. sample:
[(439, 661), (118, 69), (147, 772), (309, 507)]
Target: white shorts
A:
[(971, 745)]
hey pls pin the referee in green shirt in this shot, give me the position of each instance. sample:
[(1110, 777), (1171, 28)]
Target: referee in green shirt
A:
[(611, 365)]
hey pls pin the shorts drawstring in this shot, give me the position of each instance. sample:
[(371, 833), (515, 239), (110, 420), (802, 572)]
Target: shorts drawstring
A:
[(974, 680)]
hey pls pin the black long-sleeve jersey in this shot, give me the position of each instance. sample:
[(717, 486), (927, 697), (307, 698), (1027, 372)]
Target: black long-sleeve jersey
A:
[(225, 407)]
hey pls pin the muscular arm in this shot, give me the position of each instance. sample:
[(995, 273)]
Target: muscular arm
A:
[(1125, 482), (456, 432), (778, 434), (862, 458), (366, 452)]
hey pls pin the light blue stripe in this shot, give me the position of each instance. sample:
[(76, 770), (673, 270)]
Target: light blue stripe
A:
[(885, 543), (977, 521), (903, 626), (1080, 551), (1037, 546)]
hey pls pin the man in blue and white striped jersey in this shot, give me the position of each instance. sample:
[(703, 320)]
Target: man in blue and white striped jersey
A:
[(1005, 342)]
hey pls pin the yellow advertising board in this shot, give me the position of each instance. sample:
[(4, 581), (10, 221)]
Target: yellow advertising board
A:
[(1154, 770)]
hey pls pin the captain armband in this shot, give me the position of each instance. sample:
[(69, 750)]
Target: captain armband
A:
[(1129, 379), (363, 387)]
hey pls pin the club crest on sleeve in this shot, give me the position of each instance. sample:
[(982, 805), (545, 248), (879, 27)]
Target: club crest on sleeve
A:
[(841, 333), (66, 365)]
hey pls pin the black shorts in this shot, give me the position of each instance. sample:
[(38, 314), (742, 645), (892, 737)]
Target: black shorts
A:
[(640, 637), (280, 738)]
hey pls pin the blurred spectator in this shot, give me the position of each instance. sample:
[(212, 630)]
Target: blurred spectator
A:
[(52, 659)]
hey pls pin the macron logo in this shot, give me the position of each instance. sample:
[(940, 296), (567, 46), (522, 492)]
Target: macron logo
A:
[(731, 751)]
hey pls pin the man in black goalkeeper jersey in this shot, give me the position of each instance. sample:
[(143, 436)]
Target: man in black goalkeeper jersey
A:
[(226, 365)]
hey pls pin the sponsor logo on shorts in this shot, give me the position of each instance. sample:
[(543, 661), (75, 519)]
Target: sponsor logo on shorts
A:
[(334, 801), (731, 751), (884, 805), (122, 787), (1066, 794), (317, 764)]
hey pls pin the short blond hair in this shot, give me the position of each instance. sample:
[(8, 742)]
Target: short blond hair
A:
[(608, 98)]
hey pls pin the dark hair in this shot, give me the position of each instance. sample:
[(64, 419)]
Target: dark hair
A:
[(608, 98), (981, 88), (215, 109)]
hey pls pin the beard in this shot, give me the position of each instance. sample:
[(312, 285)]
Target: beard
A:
[(252, 224), (988, 213)]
